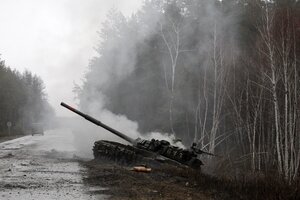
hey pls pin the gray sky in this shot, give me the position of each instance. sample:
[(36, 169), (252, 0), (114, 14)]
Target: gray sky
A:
[(55, 39)]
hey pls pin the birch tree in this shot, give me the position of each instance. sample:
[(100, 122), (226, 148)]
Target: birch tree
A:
[(279, 48)]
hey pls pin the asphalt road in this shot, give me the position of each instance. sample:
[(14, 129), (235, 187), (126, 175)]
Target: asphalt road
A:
[(44, 167)]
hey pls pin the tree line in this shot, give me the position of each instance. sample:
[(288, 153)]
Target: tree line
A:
[(224, 74), (23, 101)]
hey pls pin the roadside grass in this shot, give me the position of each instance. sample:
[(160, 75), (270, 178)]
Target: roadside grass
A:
[(250, 186)]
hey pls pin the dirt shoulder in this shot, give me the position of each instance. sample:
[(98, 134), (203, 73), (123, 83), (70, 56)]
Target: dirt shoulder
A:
[(169, 182), (122, 183), (7, 138)]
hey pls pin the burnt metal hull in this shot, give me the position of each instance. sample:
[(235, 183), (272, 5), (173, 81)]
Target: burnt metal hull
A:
[(127, 154)]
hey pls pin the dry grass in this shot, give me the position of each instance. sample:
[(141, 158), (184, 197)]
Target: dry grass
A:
[(250, 186)]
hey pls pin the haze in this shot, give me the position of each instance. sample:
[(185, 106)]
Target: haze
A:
[(55, 39)]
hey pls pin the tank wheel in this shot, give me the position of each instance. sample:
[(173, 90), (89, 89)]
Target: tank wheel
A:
[(117, 152)]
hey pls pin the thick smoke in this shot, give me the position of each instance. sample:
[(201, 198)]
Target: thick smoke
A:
[(117, 60)]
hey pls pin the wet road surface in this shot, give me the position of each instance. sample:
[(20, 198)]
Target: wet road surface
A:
[(43, 167)]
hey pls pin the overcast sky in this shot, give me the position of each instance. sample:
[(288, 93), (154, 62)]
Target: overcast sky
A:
[(55, 39)]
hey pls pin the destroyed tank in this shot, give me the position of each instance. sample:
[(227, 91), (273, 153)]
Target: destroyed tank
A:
[(140, 150)]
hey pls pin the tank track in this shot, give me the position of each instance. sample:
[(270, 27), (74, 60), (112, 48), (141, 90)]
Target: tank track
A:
[(124, 154), (116, 152)]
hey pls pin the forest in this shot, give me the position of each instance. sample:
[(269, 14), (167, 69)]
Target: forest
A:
[(23, 101), (224, 74)]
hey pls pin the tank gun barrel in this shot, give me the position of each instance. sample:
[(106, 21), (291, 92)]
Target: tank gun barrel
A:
[(99, 123), (199, 151)]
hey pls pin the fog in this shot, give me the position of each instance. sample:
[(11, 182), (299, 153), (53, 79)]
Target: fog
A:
[(55, 39)]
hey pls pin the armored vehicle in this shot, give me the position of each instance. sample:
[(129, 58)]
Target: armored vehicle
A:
[(37, 129), (146, 151)]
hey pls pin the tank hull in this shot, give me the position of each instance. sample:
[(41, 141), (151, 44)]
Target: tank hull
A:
[(128, 155)]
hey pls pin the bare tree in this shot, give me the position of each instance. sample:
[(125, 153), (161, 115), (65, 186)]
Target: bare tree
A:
[(279, 48)]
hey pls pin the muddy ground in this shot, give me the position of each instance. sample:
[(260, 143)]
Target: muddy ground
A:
[(161, 183), (43, 167)]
